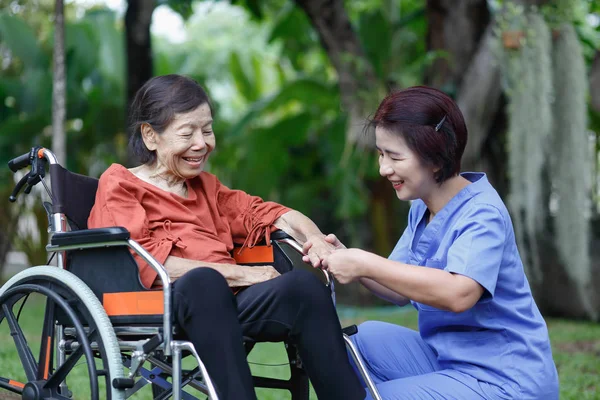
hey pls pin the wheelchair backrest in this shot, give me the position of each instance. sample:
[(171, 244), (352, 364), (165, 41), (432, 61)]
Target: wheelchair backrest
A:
[(73, 195)]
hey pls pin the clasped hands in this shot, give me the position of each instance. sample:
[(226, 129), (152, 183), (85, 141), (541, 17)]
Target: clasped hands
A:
[(328, 253)]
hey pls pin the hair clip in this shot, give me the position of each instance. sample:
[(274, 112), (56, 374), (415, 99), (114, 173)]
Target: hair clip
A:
[(438, 126)]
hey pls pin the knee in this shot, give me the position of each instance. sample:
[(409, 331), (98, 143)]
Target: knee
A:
[(303, 286), (370, 333), (203, 282)]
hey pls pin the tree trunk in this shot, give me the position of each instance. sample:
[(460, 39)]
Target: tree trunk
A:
[(138, 18), (357, 81), (59, 92), (595, 83), (455, 27), (479, 98), (558, 295)]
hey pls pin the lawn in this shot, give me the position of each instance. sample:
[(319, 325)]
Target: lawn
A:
[(576, 352)]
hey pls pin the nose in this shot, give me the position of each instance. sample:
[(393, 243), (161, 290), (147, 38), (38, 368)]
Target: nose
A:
[(199, 142), (384, 168)]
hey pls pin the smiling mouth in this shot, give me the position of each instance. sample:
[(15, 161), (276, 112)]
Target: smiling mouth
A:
[(193, 159)]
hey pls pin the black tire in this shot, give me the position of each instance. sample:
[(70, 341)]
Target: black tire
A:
[(75, 305)]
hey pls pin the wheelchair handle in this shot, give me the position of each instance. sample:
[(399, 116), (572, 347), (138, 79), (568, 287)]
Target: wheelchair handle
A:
[(27, 159), (20, 162), (13, 196)]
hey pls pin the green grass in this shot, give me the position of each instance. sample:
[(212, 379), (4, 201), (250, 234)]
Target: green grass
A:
[(576, 347)]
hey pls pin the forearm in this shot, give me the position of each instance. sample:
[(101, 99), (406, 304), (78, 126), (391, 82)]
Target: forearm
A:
[(298, 226), (434, 287), (383, 292), (234, 274)]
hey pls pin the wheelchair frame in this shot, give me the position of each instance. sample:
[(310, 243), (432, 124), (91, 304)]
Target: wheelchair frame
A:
[(142, 350)]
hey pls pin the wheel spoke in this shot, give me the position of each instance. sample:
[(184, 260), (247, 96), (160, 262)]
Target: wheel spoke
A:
[(58, 396), (47, 340), (27, 359), (13, 386), (61, 373)]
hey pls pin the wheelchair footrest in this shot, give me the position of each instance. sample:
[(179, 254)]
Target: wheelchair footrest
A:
[(123, 383)]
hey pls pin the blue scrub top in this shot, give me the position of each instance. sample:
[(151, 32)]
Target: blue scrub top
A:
[(503, 339)]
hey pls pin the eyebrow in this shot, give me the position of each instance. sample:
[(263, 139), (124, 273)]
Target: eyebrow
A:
[(193, 125), (388, 152)]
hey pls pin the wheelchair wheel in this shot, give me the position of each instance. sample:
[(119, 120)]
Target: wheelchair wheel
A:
[(92, 359)]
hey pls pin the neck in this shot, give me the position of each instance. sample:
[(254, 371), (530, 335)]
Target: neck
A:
[(442, 194), (162, 177)]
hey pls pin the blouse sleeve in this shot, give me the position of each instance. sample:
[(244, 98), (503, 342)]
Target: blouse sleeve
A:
[(116, 205), (249, 217), (477, 251)]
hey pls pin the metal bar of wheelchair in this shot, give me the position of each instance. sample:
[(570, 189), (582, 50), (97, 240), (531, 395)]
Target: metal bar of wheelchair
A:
[(362, 368), (194, 383), (178, 346), (155, 265), (296, 246)]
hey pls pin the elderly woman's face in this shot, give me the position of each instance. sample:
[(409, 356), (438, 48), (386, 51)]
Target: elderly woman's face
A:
[(183, 148)]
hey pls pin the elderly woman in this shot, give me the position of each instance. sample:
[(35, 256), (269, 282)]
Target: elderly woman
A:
[(189, 222), (481, 335)]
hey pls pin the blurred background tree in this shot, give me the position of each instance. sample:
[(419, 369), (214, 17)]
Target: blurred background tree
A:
[(293, 83)]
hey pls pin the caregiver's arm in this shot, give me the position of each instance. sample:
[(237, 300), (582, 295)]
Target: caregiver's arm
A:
[(384, 293), (434, 287)]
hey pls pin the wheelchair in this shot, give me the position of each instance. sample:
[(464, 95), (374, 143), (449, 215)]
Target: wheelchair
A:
[(97, 314)]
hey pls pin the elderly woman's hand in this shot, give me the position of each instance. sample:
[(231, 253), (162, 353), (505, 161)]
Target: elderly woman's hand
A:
[(346, 265), (314, 254), (252, 275)]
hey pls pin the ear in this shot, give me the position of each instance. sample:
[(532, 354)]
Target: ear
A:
[(148, 136)]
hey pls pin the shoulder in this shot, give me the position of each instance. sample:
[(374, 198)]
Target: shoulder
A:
[(486, 212), (115, 173), (483, 196), (117, 182)]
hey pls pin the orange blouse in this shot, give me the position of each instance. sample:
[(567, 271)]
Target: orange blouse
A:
[(204, 226)]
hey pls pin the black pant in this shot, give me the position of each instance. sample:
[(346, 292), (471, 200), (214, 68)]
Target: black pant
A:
[(295, 305)]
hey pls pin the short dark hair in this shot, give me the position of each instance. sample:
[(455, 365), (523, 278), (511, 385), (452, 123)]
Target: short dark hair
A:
[(156, 104), (414, 113)]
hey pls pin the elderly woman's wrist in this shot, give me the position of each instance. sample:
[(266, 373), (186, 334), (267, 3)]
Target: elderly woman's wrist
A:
[(315, 237)]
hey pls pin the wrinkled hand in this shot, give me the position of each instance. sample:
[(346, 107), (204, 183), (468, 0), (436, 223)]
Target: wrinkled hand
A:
[(257, 274), (346, 265), (318, 247)]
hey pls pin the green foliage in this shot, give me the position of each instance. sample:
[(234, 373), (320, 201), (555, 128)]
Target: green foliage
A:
[(182, 7), (95, 104), (375, 32), (19, 37)]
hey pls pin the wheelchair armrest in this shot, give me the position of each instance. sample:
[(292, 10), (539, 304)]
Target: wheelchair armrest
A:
[(90, 236), (350, 330), (279, 234)]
